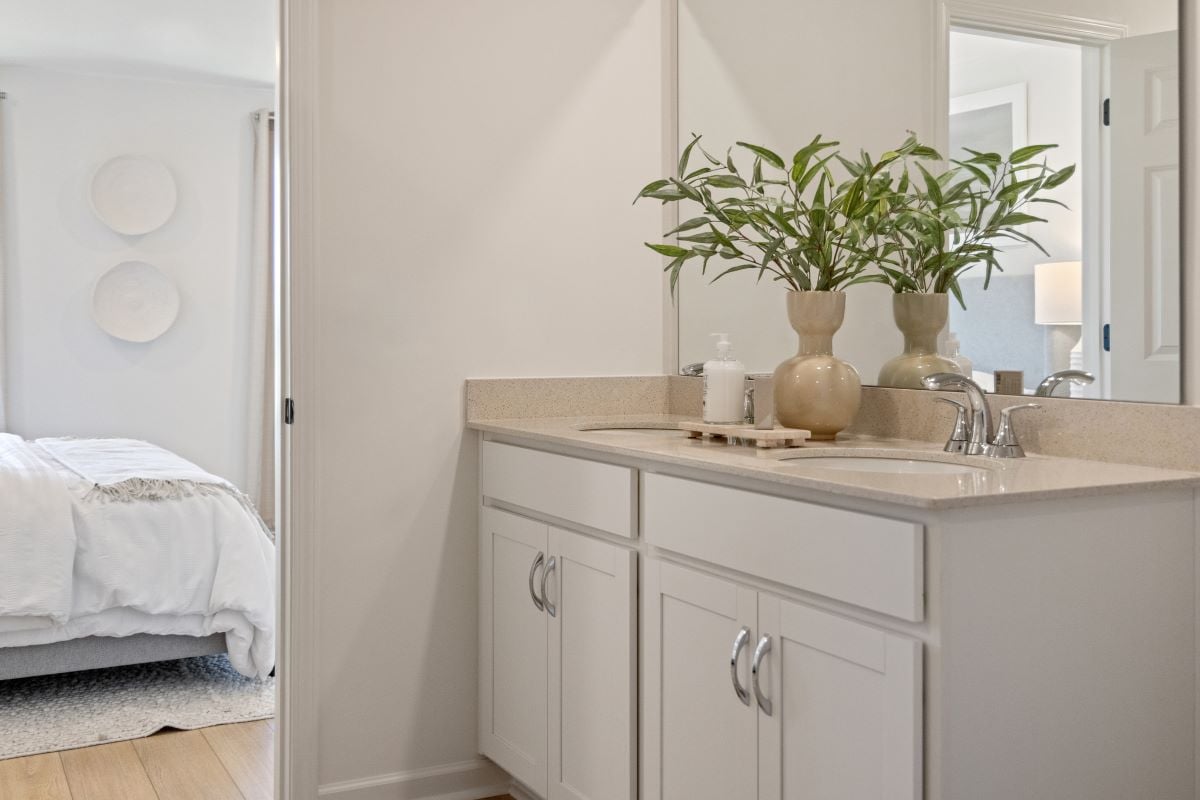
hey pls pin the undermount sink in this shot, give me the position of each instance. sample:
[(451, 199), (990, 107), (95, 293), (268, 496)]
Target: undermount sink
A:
[(889, 466), (644, 430)]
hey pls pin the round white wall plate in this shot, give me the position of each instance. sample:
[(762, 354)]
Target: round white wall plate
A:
[(133, 195), (135, 301)]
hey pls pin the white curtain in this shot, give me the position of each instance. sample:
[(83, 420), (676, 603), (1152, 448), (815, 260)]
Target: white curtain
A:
[(3, 247), (260, 431)]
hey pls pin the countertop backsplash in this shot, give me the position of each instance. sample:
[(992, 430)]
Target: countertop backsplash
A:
[(1145, 434)]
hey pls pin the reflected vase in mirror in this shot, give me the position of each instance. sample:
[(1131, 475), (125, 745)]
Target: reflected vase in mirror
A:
[(920, 317), (815, 390)]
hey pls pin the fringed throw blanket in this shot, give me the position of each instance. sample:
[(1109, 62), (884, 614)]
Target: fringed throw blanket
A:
[(126, 470)]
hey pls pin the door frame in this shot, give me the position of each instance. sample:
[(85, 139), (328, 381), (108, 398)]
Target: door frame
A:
[(1090, 35), (296, 744)]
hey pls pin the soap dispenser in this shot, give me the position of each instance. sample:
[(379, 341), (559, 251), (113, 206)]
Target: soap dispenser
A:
[(954, 353), (724, 385)]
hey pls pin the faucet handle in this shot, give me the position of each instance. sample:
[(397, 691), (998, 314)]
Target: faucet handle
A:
[(1006, 444), (957, 443)]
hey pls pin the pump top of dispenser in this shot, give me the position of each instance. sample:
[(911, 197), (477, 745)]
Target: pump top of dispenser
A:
[(724, 346)]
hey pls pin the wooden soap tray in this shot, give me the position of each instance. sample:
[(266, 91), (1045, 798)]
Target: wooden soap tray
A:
[(771, 437)]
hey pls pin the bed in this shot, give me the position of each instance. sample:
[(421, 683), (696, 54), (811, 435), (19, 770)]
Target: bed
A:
[(116, 552)]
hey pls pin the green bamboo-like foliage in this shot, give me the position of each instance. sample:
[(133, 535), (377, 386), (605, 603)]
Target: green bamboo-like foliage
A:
[(941, 224), (888, 220)]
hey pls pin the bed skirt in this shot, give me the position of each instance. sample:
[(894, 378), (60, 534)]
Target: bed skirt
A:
[(97, 652)]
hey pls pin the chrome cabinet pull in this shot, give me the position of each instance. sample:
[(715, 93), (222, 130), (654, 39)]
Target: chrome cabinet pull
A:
[(537, 562), (739, 644), (551, 609), (764, 647)]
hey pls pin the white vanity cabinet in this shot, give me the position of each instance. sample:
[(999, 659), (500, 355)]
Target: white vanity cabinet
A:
[(558, 651), (748, 695), (1041, 648)]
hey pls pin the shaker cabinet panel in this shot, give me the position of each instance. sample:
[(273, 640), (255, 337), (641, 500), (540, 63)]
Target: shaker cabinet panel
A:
[(699, 736), (845, 708), (868, 561), (513, 646), (593, 670), (590, 493)]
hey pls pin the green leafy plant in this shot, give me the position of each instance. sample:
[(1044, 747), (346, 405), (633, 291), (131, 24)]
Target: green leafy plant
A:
[(898, 219), (795, 222), (939, 224)]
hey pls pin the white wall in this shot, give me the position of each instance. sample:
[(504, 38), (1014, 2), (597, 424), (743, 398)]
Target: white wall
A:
[(476, 165), (186, 390)]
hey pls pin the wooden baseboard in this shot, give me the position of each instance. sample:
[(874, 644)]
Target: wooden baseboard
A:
[(462, 780)]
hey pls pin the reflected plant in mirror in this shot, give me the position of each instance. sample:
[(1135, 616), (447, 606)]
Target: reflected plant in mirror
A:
[(941, 223)]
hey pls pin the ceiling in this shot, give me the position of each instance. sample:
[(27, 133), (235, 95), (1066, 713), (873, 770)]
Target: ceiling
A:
[(209, 40)]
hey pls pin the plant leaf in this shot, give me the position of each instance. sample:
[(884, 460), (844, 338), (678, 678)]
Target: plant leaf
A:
[(766, 155), (669, 250)]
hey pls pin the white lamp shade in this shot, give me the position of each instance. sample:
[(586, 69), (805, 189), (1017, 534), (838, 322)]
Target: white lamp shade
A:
[(1058, 293)]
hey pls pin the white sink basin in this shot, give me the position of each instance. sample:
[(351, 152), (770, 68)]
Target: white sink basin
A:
[(889, 466), (635, 430)]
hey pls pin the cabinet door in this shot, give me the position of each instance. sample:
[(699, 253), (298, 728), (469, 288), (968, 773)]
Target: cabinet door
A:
[(513, 646), (699, 738), (845, 708), (591, 596)]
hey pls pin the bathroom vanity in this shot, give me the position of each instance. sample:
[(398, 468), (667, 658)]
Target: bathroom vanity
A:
[(666, 618)]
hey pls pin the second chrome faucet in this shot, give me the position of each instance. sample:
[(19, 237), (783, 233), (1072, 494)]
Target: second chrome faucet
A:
[(973, 427)]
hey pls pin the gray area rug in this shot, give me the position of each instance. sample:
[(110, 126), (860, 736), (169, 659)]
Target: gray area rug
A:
[(79, 709)]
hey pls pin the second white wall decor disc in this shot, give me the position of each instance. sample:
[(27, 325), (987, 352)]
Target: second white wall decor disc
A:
[(133, 195), (135, 301)]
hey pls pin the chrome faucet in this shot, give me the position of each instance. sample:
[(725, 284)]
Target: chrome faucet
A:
[(692, 370), (957, 443), (1006, 444), (979, 419), (1076, 376)]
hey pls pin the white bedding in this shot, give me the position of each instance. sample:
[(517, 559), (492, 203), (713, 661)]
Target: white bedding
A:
[(194, 564)]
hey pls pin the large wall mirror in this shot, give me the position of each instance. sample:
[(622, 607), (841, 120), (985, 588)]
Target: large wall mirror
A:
[(1098, 78)]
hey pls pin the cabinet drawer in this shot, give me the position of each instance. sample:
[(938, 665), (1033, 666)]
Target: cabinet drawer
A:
[(861, 559), (601, 496)]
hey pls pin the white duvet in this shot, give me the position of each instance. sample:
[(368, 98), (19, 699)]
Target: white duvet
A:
[(75, 562)]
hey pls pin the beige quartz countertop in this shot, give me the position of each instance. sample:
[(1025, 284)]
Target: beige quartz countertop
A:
[(993, 481)]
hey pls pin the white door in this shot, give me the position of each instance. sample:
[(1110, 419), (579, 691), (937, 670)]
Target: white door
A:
[(513, 646), (591, 600), (699, 737), (840, 713), (1143, 158)]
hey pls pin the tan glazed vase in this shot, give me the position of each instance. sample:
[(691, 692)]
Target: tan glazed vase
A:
[(920, 317), (815, 390)]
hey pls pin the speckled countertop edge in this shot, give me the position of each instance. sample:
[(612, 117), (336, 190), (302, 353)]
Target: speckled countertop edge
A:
[(1031, 479)]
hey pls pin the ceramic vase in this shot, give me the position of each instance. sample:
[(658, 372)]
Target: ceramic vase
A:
[(815, 390), (920, 317)]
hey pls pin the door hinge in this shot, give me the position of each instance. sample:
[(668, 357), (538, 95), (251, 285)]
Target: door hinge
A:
[(289, 411), (1107, 338), (1104, 113)]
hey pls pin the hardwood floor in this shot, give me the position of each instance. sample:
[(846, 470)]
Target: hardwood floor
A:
[(227, 762)]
